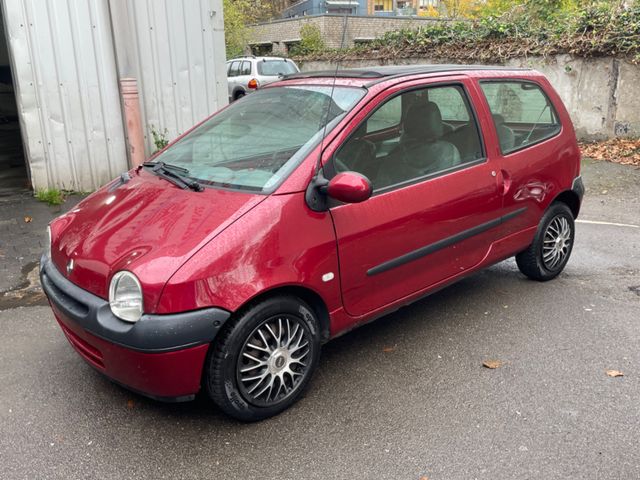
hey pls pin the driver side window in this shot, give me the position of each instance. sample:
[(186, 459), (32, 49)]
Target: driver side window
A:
[(413, 135)]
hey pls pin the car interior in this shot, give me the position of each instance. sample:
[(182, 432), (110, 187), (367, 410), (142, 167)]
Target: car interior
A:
[(419, 143)]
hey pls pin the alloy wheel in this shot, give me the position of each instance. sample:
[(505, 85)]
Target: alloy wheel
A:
[(556, 243), (274, 360)]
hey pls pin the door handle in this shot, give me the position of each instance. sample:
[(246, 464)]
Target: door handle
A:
[(504, 181)]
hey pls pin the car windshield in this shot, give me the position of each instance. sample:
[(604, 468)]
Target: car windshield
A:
[(276, 67), (257, 142)]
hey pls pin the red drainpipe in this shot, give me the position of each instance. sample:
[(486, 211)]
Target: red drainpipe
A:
[(133, 120)]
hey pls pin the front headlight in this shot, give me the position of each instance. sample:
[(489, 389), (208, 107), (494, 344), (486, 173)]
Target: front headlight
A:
[(125, 296), (47, 248)]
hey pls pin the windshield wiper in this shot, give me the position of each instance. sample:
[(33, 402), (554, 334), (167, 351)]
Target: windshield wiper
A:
[(174, 174)]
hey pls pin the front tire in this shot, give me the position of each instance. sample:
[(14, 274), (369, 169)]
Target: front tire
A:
[(547, 256), (264, 359)]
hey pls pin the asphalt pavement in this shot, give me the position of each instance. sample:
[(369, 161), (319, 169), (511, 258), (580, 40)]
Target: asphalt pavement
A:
[(406, 397)]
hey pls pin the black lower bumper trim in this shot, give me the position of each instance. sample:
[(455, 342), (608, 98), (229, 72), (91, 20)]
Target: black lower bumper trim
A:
[(151, 334)]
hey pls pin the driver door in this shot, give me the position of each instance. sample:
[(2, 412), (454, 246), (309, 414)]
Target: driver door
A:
[(424, 227)]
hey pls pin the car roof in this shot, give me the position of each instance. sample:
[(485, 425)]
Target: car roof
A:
[(252, 57), (376, 74)]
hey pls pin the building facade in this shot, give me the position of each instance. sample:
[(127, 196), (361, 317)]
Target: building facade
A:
[(359, 7), (321, 7), (400, 7), (278, 36)]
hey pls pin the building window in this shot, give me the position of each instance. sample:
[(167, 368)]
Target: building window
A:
[(262, 50), (291, 45), (383, 5)]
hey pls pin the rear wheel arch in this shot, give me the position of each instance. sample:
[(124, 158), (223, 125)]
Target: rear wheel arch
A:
[(570, 199), (313, 299)]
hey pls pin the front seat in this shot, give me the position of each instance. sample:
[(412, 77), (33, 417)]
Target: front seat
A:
[(421, 146)]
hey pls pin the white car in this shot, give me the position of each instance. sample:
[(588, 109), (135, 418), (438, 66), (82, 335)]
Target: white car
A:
[(246, 74)]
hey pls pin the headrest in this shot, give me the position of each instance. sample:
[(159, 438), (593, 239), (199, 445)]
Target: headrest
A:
[(424, 122)]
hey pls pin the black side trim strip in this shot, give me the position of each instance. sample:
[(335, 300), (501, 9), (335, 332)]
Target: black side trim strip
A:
[(445, 242)]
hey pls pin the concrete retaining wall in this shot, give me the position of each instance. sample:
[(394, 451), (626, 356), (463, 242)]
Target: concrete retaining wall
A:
[(601, 94)]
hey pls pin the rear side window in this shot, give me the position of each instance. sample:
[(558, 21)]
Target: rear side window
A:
[(523, 115), (246, 68), (234, 69)]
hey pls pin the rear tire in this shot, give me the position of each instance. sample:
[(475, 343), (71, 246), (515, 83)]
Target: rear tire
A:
[(264, 359), (547, 256)]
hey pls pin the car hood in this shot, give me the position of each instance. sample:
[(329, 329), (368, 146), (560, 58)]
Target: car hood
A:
[(148, 226)]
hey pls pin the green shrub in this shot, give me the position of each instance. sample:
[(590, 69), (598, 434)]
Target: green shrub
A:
[(52, 196), (160, 139), (504, 29), (310, 41)]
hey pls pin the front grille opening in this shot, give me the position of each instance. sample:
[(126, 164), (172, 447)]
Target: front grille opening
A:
[(87, 351)]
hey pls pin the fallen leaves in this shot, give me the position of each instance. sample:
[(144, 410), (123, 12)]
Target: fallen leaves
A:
[(492, 364), (28, 219), (131, 404), (614, 373), (389, 349), (625, 151)]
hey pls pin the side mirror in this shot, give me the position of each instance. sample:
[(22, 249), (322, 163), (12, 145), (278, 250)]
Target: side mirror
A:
[(349, 187)]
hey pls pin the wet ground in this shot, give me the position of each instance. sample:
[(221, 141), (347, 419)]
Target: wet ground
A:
[(406, 397), (23, 223)]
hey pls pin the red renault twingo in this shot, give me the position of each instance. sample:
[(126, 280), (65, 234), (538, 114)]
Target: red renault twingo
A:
[(302, 211)]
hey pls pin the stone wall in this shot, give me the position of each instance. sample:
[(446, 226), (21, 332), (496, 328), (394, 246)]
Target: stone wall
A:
[(282, 33), (602, 95)]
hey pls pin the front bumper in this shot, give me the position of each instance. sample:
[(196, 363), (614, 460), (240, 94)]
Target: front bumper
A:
[(160, 356)]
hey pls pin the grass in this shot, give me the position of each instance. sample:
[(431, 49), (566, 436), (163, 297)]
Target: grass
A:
[(52, 196)]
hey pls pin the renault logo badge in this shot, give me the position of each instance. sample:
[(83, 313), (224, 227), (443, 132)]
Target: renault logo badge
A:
[(69, 267)]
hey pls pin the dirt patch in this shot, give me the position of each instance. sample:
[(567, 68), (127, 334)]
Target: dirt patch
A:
[(29, 293)]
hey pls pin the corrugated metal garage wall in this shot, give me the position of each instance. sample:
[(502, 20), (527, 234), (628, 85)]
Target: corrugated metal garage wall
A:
[(66, 79), (181, 61), (67, 91)]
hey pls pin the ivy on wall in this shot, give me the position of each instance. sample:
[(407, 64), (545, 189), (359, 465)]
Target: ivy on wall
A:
[(590, 30)]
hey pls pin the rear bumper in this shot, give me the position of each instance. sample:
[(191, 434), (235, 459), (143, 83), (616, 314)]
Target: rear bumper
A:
[(578, 187), (160, 356)]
